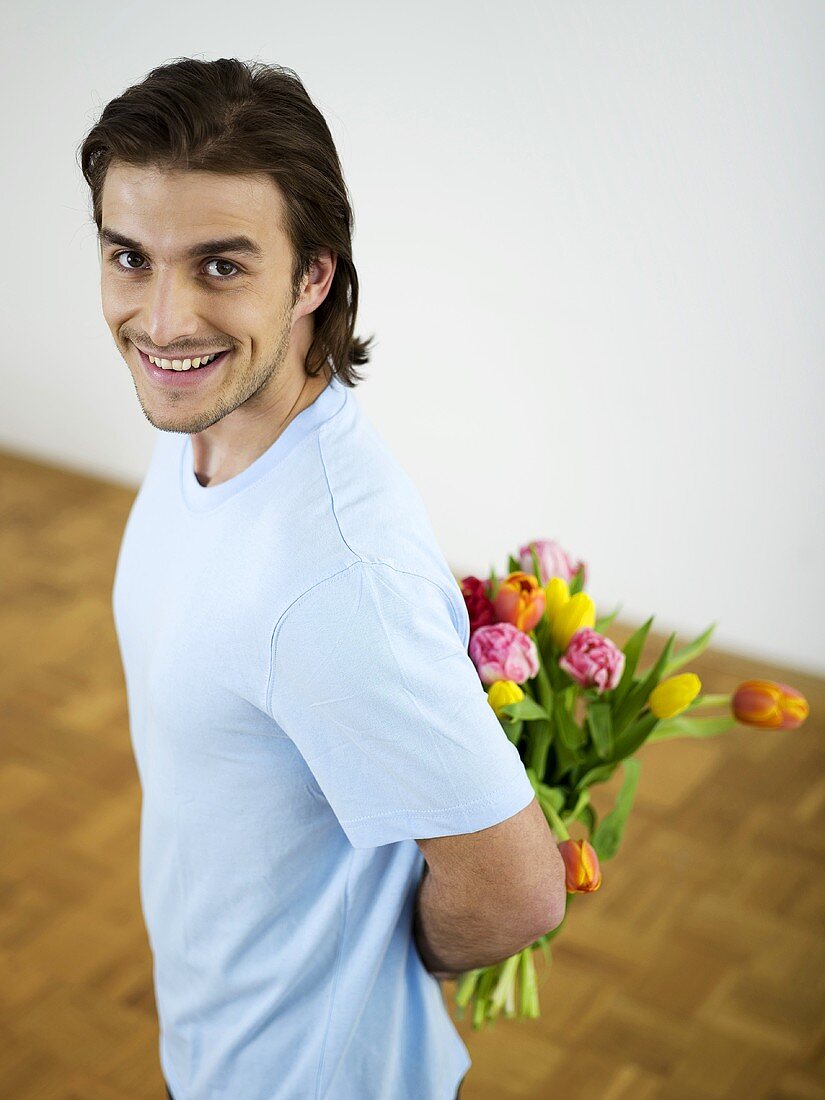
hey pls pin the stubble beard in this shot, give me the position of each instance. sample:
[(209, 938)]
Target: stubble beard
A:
[(226, 403)]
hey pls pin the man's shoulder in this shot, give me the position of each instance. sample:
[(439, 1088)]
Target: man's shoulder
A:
[(377, 506), (388, 590)]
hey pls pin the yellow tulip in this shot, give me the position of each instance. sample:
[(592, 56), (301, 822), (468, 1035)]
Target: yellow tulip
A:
[(673, 695), (574, 613), (503, 692), (557, 594)]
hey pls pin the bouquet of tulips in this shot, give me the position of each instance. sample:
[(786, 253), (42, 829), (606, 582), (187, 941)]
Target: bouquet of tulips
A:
[(576, 708)]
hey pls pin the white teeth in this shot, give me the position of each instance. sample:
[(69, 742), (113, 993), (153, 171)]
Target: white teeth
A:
[(185, 364)]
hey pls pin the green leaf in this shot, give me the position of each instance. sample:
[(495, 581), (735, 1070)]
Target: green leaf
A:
[(536, 566), (608, 835), (570, 733), (632, 650), (634, 736), (513, 565), (637, 697), (599, 774), (526, 709), (567, 760), (577, 581), (544, 689), (600, 723), (689, 652), (606, 620), (529, 689), (493, 583), (680, 726), (513, 730)]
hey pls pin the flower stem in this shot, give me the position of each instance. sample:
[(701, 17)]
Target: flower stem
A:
[(583, 800), (466, 987), (539, 747), (504, 985), (542, 729), (704, 701), (559, 828), (545, 690), (485, 984), (529, 985)]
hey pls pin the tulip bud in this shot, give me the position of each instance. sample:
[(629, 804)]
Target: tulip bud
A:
[(769, 705), (581, 864), (519, 600), (673, 695), (503, 692), (575, 613), (557, 594)]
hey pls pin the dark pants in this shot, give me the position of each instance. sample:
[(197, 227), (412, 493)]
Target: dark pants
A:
[(458, 1090)]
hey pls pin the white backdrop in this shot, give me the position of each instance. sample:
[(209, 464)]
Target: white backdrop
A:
[(590, 244)]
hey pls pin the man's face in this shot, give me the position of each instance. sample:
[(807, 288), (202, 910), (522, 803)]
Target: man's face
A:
[(159, 298)]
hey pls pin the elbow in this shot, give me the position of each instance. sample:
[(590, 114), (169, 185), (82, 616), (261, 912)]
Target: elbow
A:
[(559, 913), (553, 908), (552, 915)]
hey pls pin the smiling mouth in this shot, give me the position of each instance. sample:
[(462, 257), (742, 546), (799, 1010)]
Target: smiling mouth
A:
[(187, 364)]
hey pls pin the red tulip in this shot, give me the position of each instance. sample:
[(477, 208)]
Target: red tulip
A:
[(479, 609)]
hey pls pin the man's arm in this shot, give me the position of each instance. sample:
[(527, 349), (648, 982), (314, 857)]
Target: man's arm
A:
[(485, 896), (451, 943)]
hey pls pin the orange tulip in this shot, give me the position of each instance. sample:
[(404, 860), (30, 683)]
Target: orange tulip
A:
[(582, 872), (520, 600), (769, 705)]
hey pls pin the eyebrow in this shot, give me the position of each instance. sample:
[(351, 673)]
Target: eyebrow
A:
[(240, 244)]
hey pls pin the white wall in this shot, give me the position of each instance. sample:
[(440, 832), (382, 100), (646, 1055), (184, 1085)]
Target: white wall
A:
[(590, 242)]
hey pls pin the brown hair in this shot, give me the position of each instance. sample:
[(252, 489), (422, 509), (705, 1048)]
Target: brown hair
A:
[(241, 118)]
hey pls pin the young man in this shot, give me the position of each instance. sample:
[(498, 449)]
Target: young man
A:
[(307, 725)]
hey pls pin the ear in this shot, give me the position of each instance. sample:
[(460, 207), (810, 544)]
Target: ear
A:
[(317, 282)]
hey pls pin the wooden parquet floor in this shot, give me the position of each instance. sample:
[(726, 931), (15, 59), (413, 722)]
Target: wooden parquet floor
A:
[(697, 971)]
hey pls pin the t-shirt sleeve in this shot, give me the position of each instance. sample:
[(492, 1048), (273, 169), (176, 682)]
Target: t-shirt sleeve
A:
[(371, 679)]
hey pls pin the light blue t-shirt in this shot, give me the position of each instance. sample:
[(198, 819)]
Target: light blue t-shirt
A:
[(302, 708)]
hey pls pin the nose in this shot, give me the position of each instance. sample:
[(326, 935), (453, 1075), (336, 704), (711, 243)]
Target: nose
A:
[(171, 308)]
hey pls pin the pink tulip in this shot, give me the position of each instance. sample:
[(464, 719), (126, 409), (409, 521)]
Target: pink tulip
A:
[(593, 660), (554, 561), (501, 651)]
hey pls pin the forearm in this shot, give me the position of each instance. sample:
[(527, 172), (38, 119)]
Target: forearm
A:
[(452, 938)]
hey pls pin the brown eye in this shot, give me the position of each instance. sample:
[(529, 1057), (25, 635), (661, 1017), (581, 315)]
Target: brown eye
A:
[(116, 259), (225, 275)]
